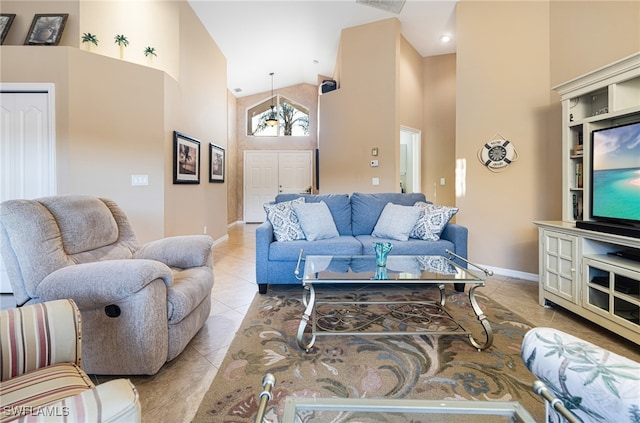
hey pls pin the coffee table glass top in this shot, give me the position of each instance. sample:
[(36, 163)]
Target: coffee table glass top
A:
[(405, 268), (362, 410)]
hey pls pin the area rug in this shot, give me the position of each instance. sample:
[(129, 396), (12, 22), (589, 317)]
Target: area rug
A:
[(444, 367)]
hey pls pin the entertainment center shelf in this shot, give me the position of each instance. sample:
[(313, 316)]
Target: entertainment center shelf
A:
[(605, 98), (579, 272), (578, 266)]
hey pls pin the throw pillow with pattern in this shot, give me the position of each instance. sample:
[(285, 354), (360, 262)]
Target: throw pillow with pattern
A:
[(433, 218), (286, 226)]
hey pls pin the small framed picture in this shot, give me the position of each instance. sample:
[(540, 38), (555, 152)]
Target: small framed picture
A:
[(46, 29), (6, 19), (186, 159), (216, 163)]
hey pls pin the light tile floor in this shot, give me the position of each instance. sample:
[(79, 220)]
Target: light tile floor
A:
[(175, 392)]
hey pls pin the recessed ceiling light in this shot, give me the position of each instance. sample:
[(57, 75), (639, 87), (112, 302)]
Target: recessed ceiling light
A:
[(445, 38)]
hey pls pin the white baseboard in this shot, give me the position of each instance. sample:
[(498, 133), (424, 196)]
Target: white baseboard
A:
[(512, 273), (220, 240)]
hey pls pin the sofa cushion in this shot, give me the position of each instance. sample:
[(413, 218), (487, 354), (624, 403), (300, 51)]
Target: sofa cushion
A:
[(409, 247), (316, 221), (339, 206), (366, 208), (286, 226), (290, 251), (396, 222), (433, 218)]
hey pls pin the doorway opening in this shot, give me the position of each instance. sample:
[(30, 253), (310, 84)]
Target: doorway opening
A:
[(410, 160)]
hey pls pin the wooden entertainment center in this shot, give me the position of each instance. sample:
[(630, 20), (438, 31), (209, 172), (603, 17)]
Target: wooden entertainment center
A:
[(580, 268)]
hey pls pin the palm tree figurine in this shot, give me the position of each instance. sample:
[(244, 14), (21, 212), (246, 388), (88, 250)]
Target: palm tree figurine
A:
[(150, 52), (90, 39), (122, 41)]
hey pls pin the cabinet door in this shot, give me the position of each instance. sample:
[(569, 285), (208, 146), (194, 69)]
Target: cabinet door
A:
[(559, 265)]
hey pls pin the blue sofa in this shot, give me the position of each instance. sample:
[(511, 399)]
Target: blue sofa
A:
[(355, 217)]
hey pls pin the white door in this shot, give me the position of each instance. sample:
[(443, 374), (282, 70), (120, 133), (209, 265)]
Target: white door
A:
[(27, 147), (294, 172), (268, 173), (260, 183)]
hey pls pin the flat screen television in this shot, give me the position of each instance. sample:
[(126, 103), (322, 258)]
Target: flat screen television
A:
[(615, 175)]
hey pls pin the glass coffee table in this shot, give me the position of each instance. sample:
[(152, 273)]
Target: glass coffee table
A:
[(364, 410), (360, 315)]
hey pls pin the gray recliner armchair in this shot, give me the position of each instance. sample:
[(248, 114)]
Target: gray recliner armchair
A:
[(140, 304)]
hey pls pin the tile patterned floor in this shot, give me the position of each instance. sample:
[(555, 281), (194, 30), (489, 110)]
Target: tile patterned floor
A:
[(175, 392)]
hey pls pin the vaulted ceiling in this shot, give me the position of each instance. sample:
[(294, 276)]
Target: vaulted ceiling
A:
[(298, 40)]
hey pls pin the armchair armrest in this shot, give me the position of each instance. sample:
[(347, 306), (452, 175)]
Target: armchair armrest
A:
[(458, 235), (113, 401), (593, 383), (264, 238), (23, 346), (182, 252), (96, 284)]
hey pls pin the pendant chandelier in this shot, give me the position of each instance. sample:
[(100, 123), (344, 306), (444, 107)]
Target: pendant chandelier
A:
[(272, 120)]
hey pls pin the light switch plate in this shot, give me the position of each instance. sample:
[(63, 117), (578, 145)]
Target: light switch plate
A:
[(139, 180), (375, 181), (374, 163)]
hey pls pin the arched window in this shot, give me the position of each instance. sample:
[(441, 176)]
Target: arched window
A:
[(293, 118)]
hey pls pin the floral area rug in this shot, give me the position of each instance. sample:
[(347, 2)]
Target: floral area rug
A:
[(444, 367)]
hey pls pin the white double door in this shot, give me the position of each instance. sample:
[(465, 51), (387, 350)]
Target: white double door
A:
[(27, 146), (269, 173)]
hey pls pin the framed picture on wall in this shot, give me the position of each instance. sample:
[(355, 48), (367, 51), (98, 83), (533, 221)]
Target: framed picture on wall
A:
[(186, 159), (46, 29), (6, 19), (216, 163)]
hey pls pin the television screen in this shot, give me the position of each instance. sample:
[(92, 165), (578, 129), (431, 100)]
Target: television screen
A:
[(615, 177)]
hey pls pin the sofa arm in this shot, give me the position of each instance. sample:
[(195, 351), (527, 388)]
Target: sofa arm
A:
[(264, 238), (113, 401), (96, 284), (183, 252), (458, 235), (24, 349), (592, 382)]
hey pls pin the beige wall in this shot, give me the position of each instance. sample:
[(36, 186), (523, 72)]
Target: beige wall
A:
[(115, 118), (503, 90), (587, 35), (199, 105), (509, 55), (439, 134), (363, 113)]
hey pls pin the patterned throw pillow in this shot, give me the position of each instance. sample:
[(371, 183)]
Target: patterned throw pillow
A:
[(286, 226), (433, 218)]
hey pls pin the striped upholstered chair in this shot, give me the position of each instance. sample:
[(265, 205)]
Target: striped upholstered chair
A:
[(41, 378)]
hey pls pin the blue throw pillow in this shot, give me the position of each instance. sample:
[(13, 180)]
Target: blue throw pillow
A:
[(316, 221), (396, 222)]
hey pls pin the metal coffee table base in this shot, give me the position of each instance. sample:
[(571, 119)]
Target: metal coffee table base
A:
[(384, 318)]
